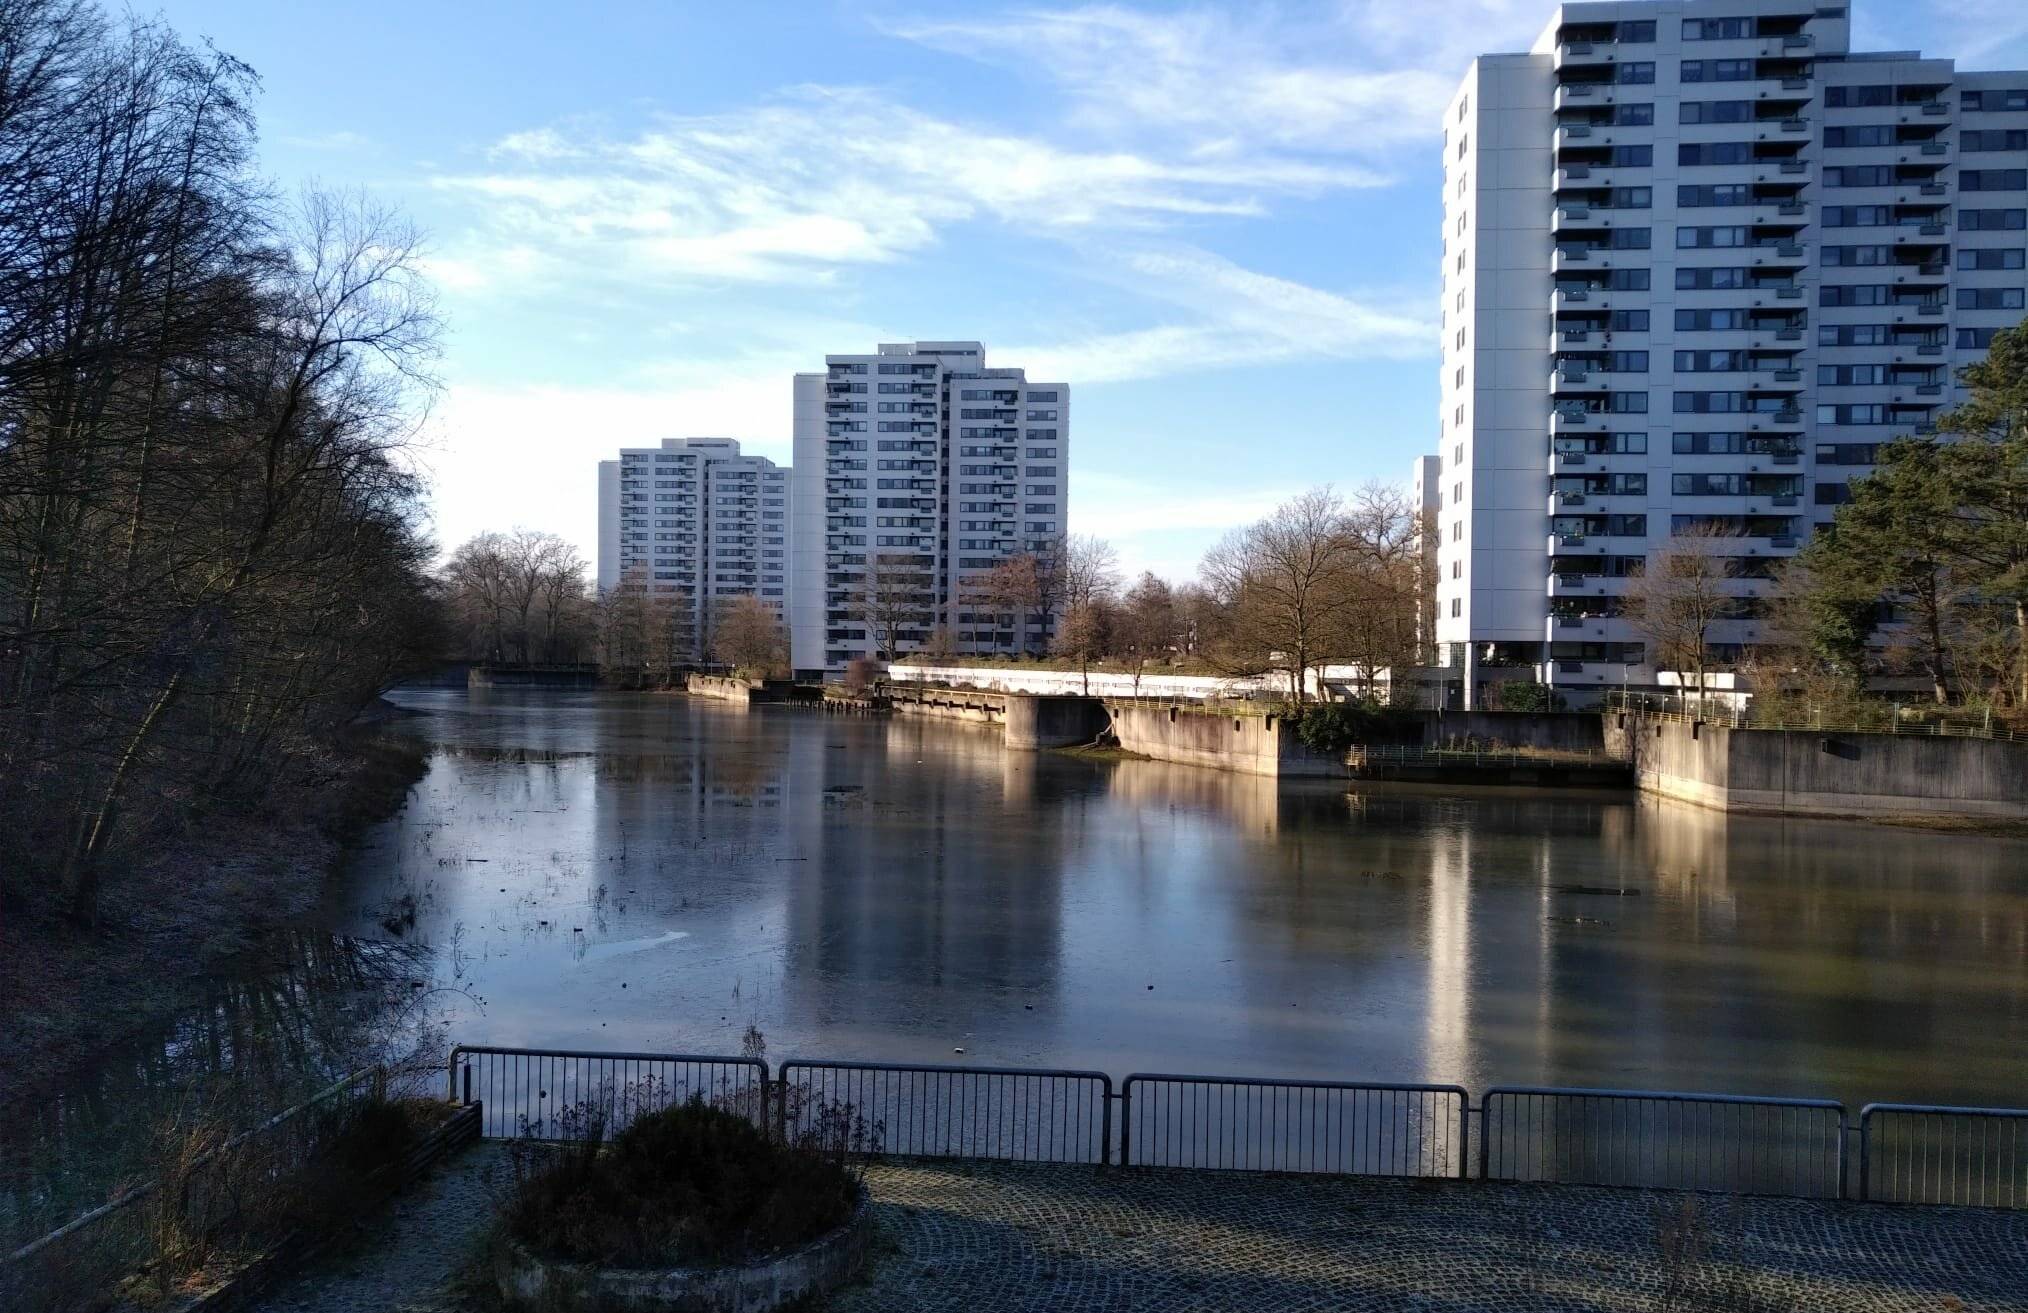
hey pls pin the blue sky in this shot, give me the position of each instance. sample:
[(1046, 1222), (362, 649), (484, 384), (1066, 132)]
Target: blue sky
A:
[(1219, 223)]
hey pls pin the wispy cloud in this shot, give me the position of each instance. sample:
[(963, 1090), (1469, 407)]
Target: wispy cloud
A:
[(1359, 79), (340, 140), (1237, 316), (829, 178)]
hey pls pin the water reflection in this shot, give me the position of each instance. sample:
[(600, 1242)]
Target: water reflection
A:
[(644, 872)]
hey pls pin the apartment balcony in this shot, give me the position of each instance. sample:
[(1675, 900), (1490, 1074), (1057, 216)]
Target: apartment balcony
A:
[(1572, 218), (1776, 381), (1572, 421), (1784, 215), (1580, 178), (1576, 301), (1584, 56), (1565, 499), (1567, 584), (1763, 421), (1565, 460), (1584, 95), (1573, 258), (1778, 255), (1577, 375), (1581, 137), (1928, 273)]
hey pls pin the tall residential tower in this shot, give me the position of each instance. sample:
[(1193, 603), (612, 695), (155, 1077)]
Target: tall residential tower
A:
[(1700, 261), (918, 469), (698, 521)]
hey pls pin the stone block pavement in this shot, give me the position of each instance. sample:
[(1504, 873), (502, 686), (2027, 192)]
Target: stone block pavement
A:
[(1005, 1238)]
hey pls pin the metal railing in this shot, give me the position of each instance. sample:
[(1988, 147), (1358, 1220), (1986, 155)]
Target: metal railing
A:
[(1725, 717), (1914, 1153), (205, 1200), (1238, 1123), (1409, 754), (1637, 1138), (1012, 1114), (1664, 1140), (549, 1094)]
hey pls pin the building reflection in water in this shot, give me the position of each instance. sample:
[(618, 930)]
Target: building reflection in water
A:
[(902, 888)]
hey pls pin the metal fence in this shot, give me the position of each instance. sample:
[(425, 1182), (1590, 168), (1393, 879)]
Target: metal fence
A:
[(1409, 754), (225, 1196), (1719, 1142), (1678, 708), (1243, 1124), (1912, 1153), (1640, 1138), (1013, 1114), (561, 1094)]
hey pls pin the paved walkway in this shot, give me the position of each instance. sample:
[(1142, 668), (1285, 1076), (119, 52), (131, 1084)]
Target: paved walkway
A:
[(1006, 1239)]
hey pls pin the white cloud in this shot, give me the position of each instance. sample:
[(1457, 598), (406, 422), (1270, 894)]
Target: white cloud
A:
[(1368, 76), (1239, 317), (528, 454), (828, 178), (340, 140), (1164, 532)]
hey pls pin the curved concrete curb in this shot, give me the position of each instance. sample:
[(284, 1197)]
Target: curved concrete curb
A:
[(825, 1263)]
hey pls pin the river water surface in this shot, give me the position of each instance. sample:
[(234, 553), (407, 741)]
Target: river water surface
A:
[(599, 870)]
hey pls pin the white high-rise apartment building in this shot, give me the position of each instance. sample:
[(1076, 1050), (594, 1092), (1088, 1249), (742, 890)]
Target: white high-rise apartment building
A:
[(695, 519), (1700, 261), (920, 460)]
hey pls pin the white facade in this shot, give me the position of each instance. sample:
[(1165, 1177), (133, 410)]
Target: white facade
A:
[(695, 519), (919, 452), (1700, 261)]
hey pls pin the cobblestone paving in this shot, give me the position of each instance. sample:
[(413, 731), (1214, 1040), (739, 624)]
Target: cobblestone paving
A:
[(1006, 1239), (405, 1258), (994, 1239)]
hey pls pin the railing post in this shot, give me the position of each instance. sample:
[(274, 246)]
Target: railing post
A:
[(1844, 1125), (468, 1084), (1126, 1121), (451, 1076), (1464, 1136), (1865, 1155)]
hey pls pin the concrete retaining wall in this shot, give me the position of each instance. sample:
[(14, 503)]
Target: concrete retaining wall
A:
[(722, 687), (1034, 723), (949, 704), (1576, 731), (1807, 773), (1250, 745)]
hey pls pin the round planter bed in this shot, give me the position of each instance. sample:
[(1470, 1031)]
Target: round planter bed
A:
[(526, 1279)]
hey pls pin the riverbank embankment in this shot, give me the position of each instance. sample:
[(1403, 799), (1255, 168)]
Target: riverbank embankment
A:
[(202, 897), (1822, 772)]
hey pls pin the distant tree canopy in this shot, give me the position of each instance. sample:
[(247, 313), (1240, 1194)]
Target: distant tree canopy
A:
[(209, 552)]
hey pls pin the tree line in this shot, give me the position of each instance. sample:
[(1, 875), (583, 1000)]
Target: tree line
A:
[(209, 547), (1922, 572)]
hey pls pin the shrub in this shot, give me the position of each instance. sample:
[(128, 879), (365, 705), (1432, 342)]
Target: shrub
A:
[(1332, 727), (689, 1184), (1526, 696)]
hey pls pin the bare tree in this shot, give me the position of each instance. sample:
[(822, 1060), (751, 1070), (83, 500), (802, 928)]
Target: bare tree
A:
[(1089, 576), (1381, 628), (1289, 585), (1682, 591), (748, 636), (892, 597), (1148, 623)]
